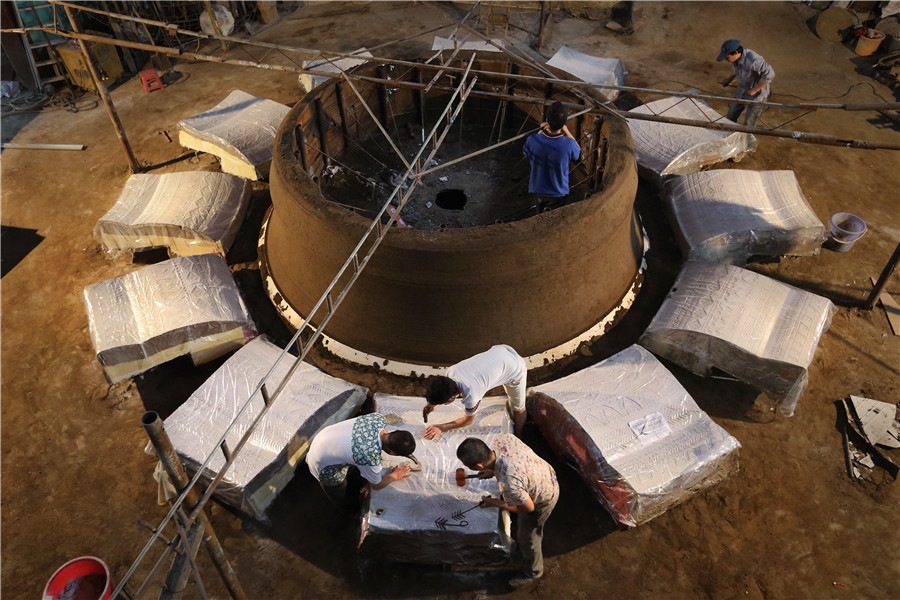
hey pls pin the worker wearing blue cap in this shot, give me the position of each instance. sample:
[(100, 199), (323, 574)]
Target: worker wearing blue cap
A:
[(753, 74)]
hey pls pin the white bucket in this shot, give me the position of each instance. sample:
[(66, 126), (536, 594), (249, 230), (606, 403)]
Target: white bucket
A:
[(843, 230)]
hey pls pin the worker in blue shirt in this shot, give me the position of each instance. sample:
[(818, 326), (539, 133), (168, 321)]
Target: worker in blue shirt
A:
[(753, 74), (550, 151)]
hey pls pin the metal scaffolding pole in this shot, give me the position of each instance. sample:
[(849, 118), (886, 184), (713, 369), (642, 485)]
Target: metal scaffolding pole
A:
[(379, 231), (883, 279), (104, 95), (799, 136), (547, 77), (153, 425)]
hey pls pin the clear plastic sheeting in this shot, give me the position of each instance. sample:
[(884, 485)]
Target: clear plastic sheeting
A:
[(668, 149), (451, 43), (639, 440), (189, 213), (732, 215), (331, 65), (758, 330), (310, 401), (240, 130), (186, 305), (426, 518), (592, 69)]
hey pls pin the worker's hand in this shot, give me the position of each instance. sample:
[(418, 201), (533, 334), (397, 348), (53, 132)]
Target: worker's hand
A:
[(545, 127), (490, 501), (400, 472), (726, 81), (485, 473), (432, 431), (427, 410)]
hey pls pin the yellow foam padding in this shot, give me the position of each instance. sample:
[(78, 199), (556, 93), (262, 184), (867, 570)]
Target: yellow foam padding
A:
[(230, 163), (180, 241), (178, 245), (210, 347)]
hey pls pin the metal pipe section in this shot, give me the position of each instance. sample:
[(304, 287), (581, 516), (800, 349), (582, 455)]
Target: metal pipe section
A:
[(153, 425), (800, 136), (399, 62), (882, 280), (104, 95)]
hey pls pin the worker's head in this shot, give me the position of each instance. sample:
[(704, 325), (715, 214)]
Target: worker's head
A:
[(440, 390), (556, 116), (474, 453), (399, 443), (731, 50)]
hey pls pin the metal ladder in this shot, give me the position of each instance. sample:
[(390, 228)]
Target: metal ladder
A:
[(46, 66)]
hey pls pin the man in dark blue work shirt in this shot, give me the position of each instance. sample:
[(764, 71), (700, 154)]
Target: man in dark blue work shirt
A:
[(550, 151), (753, 74)]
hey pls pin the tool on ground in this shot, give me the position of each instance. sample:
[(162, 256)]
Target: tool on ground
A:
[(461, 477)]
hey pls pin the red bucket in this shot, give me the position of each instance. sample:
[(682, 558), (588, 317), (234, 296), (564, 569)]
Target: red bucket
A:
[(82, 575)]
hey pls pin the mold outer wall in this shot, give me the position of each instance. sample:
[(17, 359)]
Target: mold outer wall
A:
[(438, 296)]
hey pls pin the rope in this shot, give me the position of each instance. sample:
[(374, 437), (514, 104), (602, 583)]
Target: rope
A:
[(37, 103)]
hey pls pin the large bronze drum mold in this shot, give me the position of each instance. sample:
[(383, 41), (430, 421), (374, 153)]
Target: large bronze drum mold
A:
[(433, 297)]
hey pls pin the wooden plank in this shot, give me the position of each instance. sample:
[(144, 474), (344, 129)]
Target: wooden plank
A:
[(891, 309)]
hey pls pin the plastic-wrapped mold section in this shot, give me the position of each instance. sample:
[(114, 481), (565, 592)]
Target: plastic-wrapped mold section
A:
[(668, 149), (639, 440), (427, 518), (758, 330), (592, 69), (331, 65), (195, 212), (240, 130), (309, 401), (185, 305), (734, 216), (451, 43)]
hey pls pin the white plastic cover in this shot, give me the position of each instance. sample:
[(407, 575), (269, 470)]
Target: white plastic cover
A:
[(442, 43), (730, 215), (332, 65), (593, 69), (241, 125), (640, 441), (195, 212), (426, 518), (182, 305), (669, 149), (759, 330), (310, 401)]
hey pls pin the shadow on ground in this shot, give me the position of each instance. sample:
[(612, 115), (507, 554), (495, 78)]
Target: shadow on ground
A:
[(15, 244), (304, 522)]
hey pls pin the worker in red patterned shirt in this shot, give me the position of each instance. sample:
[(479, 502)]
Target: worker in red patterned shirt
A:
[(528, 487)]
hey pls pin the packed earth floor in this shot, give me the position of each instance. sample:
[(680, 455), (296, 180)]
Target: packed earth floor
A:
[(790, 524)]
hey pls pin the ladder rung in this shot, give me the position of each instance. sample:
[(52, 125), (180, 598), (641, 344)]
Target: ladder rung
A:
[(52, 79), (45, 63)]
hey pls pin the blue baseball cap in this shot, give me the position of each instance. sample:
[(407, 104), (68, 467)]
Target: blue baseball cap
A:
[(727, 48)]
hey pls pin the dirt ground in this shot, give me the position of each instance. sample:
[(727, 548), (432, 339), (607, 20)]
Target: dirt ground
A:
[(790, 524)]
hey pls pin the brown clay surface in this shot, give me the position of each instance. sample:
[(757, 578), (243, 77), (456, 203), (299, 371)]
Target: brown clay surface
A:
[(789, 524), (536, 282)]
